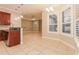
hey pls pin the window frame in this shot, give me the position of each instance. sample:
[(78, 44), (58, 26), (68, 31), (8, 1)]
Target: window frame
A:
[(55, 24), (66, 22)]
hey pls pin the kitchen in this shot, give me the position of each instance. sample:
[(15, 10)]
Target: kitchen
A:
[(37, 29), (10, 27)]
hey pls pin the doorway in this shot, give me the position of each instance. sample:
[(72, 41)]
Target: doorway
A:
[(31, 25)]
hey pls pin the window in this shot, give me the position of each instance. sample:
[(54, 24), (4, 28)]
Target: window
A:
[(66, 21), (53, 23), (77, 28)]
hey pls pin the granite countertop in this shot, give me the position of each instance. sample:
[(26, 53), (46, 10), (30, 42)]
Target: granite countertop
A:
[(4, 29)]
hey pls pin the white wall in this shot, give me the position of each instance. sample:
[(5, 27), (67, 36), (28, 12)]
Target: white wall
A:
[(76, 18), (59, 35)]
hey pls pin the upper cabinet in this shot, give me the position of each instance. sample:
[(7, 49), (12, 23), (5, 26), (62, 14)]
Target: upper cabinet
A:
[(4, 18)]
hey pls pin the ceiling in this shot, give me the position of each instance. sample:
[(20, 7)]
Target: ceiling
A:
[(26, 9)]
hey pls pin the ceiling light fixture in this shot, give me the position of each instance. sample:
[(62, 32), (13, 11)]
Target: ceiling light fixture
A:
[(47, 9), (21, 16), (17, 18), (51, 8), (33, 19)]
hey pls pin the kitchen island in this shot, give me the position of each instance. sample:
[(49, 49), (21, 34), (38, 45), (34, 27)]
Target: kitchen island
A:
[(11, 36)]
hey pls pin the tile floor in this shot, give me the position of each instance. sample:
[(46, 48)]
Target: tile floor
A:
[(33, 44)]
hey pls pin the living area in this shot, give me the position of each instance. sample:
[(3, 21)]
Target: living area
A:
[(39, 29)]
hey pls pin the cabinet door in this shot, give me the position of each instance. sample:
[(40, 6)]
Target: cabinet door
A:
[(4, 18), (0, 36), (1, 17), (14, 38)]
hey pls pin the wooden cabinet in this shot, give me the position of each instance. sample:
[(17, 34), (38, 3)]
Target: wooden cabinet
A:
[(10, 37), (0, 35), (3, 35), (13, 38), (4, 18)]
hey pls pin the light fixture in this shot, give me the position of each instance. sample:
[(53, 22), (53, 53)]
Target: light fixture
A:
[(47, 9), (17, 18), (33, 19), (51, 9), (21, 16)]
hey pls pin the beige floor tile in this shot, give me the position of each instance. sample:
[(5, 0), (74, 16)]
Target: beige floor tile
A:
[(3, 51), (33, 44)]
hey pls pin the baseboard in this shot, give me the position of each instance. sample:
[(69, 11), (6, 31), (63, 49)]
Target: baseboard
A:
[(66, 43)]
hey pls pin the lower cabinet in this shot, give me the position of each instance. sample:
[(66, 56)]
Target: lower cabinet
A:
[(10, 37), (3, 35), (13, 38), (0, 35)]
